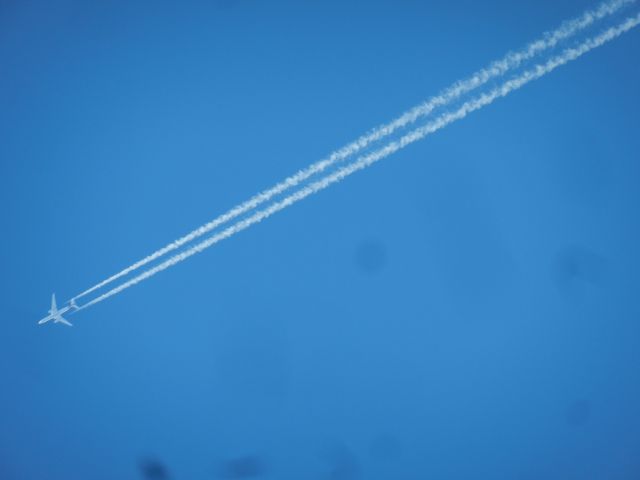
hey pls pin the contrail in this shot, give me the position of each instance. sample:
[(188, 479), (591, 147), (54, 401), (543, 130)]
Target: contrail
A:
[(497, 68), (365, 161)]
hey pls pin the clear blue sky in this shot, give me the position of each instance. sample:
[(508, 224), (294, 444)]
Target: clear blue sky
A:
[(468, 308)]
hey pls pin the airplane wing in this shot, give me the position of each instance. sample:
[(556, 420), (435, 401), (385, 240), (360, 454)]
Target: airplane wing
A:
[(54, 308), (60, 319)]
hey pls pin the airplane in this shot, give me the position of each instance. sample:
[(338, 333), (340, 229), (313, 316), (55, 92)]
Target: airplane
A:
[(56, 315)]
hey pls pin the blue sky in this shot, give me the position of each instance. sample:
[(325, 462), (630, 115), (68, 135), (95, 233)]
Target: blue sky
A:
[(466, 308)]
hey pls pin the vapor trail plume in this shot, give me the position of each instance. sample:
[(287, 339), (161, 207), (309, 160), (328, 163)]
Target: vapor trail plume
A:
[(367, 160), (498, 68)]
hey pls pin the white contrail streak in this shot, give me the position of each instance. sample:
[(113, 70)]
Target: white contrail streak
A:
[(512, 60), (365, 161)]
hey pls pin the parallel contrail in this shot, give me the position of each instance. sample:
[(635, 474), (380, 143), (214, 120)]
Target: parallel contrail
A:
[(365, 161), (512, 60)]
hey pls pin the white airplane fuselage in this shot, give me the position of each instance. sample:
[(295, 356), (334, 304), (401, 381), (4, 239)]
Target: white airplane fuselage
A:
[(59, 312)]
